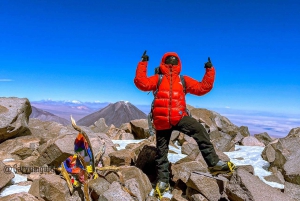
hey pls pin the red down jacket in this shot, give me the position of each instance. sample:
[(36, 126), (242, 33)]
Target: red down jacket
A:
[(169, 103)]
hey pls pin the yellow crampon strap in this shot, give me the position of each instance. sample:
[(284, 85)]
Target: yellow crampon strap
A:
[(89, 168), (157, 191), (76, 183), (231, 166), (95, 175)]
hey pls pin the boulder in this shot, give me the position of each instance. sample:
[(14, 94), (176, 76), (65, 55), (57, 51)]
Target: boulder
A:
[(248, 168), (264, 138), (276, 176), (182, 138), (224, 125), (100, 126), (292, 190), (178, 197), (6, 174), (134, 179), (115, 192), (251, 141), (284, 154), (295, 132), (244, 131), (268, 153), (174, 136), (238, 138), (126, 136), (121, 157), (98, 139), (140, 128), (136, 148), (55, 151), (20, 197), (98, 187), (58, 149), (245, 186), (126, 127), (146, 160), (183, 170), (14, 116), (222, 141), (116, 133), (188, 148), (151, 198), (194, 195), (47, 130), (20, 147), (204, 116), (53, 187), (205, 185)]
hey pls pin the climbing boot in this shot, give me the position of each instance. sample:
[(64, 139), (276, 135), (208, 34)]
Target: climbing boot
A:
[(222, 167), (161, 188)]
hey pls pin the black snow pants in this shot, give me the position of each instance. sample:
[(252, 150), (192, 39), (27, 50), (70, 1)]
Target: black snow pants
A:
[(192, 128)]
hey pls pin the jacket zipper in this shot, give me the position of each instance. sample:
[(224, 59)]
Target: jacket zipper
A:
[(170, 94)]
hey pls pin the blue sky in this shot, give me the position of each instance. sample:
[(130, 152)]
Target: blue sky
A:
[(89, 50)]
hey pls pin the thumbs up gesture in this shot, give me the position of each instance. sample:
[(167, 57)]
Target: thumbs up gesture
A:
[(145, 57), (208, 64)]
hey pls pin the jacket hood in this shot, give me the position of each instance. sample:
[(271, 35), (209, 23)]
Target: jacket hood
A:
[(168, 68)]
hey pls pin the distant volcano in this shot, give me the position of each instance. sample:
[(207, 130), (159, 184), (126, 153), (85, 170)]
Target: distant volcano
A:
[(116, 114), (47, 116)]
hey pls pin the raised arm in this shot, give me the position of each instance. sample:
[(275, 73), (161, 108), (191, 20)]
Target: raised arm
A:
[(141, 80), (203, 87)]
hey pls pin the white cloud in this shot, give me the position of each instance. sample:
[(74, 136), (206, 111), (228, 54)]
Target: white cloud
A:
[(76, 101), (6, 80), (227, 107)]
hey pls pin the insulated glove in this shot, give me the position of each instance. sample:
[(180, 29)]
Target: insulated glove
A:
[(145, 57), (208, 64)]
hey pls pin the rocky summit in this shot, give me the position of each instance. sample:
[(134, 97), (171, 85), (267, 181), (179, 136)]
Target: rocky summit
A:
[(37, 148)]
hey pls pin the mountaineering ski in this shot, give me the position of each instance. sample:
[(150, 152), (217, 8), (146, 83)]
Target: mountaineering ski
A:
[(169, 112)]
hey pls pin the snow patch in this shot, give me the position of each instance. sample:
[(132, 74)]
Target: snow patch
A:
[(8, 159), (251, 155), (15, 188)]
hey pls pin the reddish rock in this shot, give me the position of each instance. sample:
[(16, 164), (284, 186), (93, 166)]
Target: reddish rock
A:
[(194, 195), (245, 186), (292, 190), (6, 174), (100, 126), (126, 127), (295, 132), (121, 157), (140, 128), (14, 116), (52, 187), (20, 147), (244, 131), (188, 148), (98, 187), (252, 141), (146, 160), (20, 197), (264, 138), (115, 192), (47, 130), (183, 170), (205, 185)]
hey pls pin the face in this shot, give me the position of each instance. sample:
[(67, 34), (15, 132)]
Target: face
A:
[(171, 60)]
